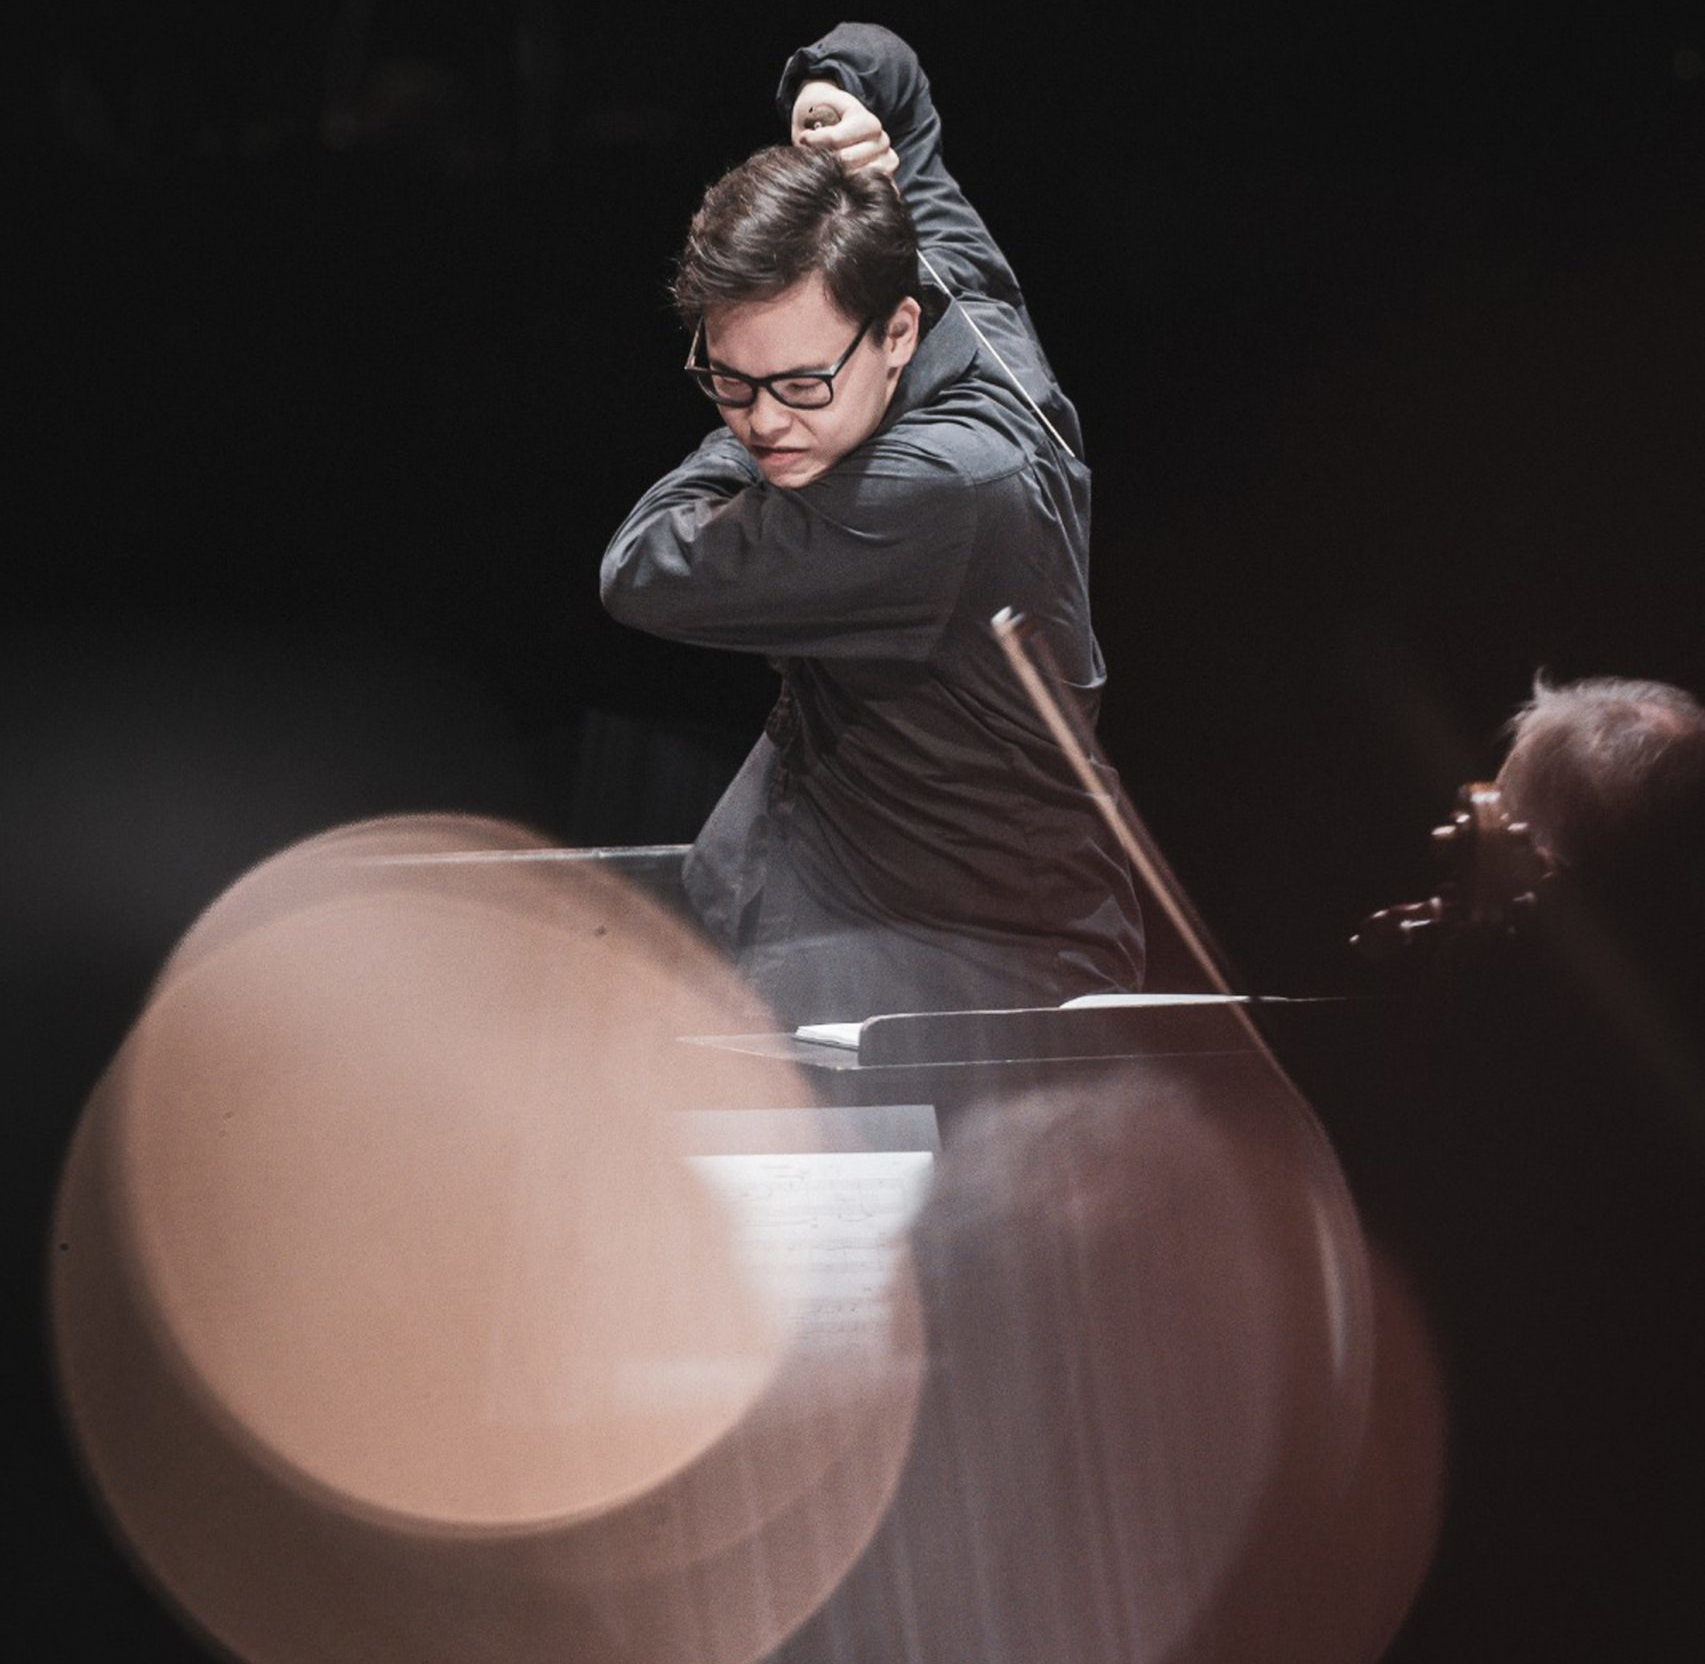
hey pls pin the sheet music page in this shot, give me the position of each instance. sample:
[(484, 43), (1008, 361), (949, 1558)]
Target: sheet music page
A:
[(832, 1222), (830, 1034)]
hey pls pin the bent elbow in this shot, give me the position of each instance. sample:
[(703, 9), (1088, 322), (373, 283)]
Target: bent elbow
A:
[(631, 594), (616, 588)]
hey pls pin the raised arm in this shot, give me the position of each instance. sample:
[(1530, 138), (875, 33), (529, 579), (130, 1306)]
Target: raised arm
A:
[(881, 77)]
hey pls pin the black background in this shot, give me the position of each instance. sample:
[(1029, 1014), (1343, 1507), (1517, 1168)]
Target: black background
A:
[(1384, 324)]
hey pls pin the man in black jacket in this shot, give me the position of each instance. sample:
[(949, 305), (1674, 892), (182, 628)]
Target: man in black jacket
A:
[(906, 835)]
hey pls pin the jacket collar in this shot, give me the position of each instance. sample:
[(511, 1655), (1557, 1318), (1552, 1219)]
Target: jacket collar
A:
[(943, 356)]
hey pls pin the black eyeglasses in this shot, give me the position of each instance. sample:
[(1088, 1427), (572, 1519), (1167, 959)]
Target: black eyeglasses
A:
[(798, 389)]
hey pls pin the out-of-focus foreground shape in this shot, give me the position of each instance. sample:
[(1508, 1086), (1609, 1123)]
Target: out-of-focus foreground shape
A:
[(1180, 1411), (393, 1317)]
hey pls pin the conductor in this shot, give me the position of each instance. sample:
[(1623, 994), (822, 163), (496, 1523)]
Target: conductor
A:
[(895, 464)]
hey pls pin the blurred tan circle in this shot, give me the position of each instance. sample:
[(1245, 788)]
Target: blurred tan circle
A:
[(394, 1319)]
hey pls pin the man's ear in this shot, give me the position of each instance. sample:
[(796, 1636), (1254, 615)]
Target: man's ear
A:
[(900, 334)]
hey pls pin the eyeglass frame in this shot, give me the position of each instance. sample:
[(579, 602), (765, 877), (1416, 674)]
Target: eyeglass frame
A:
[(766, 384)]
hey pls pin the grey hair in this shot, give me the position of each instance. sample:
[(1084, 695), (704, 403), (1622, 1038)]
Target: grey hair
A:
[(1610, 774)]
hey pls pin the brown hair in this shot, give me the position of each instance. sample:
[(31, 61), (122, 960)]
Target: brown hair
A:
[(785, 213)]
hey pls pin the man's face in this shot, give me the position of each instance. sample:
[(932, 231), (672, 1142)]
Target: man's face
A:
[(803, 329)]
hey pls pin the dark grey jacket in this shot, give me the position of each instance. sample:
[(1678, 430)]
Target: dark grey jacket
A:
[(906, 836)]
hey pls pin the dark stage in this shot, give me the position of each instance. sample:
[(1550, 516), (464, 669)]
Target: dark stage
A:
[(341, 348)]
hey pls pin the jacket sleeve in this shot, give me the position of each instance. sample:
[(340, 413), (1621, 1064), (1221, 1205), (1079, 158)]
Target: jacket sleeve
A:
[(867, 561), (882, 72)]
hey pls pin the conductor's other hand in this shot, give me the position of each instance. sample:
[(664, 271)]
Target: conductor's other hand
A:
[(826, 118)]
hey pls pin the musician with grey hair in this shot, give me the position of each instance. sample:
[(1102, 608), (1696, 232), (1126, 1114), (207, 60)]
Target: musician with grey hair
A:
[(1553, 1194), (1609, 775), (895, 464)]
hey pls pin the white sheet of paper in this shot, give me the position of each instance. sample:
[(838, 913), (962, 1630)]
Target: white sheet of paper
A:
[(830, 1034), (840, 1218)]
